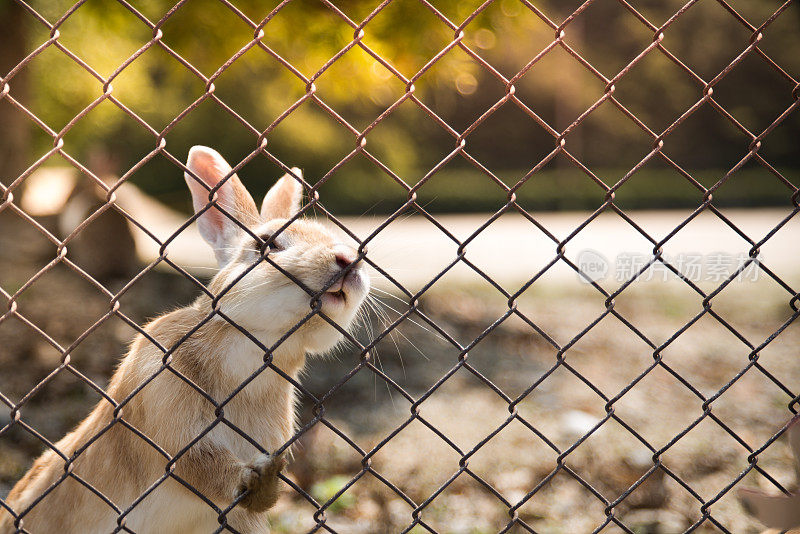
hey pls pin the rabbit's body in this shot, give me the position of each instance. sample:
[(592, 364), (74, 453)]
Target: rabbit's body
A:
[(217, 358)]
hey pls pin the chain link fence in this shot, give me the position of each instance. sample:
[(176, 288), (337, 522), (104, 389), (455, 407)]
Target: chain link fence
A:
[(415, 509)]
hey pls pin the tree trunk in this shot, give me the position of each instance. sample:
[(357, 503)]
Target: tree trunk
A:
[(14, 125)]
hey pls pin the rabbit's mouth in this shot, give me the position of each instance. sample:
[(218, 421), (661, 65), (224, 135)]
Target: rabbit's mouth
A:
[(335, 296), (338, 297), (339, 293)]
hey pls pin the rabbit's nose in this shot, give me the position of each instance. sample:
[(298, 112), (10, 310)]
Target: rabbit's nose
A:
[(345, 257)]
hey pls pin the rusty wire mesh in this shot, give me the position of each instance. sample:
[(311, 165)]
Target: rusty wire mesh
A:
[(460, 149)]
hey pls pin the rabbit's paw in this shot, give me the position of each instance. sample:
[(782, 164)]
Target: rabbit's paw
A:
[(260, 481)]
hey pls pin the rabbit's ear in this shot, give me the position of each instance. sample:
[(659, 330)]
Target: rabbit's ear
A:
[(216, 227), (283, 199)]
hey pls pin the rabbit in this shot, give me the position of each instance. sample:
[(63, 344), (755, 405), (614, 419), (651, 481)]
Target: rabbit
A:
[(217, 357)]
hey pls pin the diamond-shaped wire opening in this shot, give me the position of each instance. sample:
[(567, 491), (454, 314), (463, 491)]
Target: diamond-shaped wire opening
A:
[(710, 24), (313, 128), (457, 420), (52, 385), (591, 139), (714, 238), (547, 509), (58, 111), (275, 88), (578, 88), (742, 93), (386, 89), (702, 342), (395, 243), (435, 37), (581, 412), (403, 469), (712, 455), (632, 482), (683, 93), (408, 161), (507, 35), (747, 385), (330, 39), (512, 477), (78, 31), (625, 251), (681, 303), (611, 342), (320, 445), (213, 20), (774, 41), (775, 151), (684, 408), (590, 35), (473, 86), (368, 190), (139, 87), (49, 282), (764, 317), (520, 130), (528, 355), (500, 234), (540, 306)]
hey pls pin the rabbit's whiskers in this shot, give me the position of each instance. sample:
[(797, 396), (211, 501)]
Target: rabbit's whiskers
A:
[(374, 301)]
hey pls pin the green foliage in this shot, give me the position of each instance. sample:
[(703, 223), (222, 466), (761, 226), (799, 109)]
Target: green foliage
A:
[(325, 490), (305, 33), (561, 189)]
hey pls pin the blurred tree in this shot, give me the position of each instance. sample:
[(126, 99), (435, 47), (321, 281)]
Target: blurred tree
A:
[(14, 127), (307, 34)]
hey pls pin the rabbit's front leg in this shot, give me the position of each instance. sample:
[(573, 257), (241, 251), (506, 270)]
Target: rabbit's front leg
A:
[(216, 473), (260, 480)]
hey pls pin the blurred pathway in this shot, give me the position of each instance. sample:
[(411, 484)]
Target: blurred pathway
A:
[(511, 250)]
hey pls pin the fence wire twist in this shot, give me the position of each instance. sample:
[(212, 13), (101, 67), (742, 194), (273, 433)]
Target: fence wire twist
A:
[(460, 149)]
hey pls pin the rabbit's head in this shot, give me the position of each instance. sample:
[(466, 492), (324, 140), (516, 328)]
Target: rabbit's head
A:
[(308, 265)]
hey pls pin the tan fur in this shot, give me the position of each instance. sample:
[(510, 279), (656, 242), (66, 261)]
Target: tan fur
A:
[(172, 414), (170, 420)]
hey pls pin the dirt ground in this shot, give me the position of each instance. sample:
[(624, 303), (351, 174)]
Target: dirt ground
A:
[(549, 441)]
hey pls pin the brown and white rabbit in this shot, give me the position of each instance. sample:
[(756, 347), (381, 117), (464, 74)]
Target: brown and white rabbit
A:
[(218, 358)]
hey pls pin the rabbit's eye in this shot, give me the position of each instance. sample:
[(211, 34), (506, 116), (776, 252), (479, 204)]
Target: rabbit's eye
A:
[(274, 246)]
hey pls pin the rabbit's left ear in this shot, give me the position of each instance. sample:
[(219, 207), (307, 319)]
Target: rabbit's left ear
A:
[(284, 198), (208, 169)]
